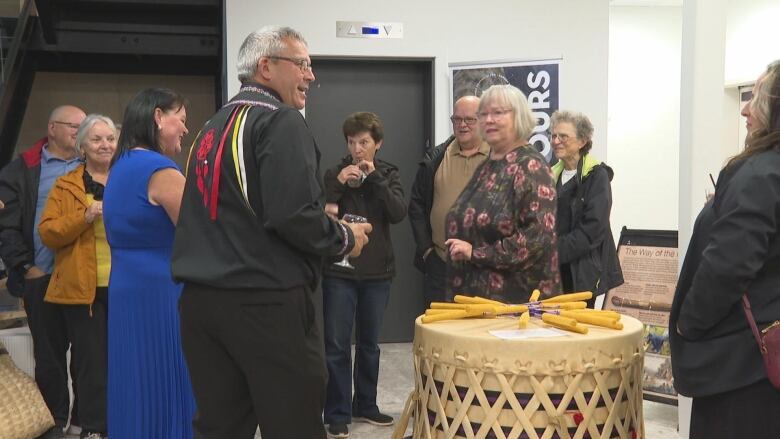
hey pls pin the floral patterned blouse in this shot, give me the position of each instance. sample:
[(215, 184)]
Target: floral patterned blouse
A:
[(507, 213)]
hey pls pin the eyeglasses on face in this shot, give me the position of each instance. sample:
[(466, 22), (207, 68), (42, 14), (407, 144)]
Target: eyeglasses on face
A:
[(302, 64), (562, 137), (73, 126), (467, 120), (495, 114)]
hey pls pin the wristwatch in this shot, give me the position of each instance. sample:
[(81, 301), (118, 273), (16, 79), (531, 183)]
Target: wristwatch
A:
[(26, 267)]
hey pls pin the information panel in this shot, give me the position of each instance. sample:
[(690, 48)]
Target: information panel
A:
[(649, 259)]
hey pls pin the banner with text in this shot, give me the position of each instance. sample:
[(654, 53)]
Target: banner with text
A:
[(649, 259), (538, 80)]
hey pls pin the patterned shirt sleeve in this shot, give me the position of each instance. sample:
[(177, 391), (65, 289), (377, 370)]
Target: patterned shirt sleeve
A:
[(531, 227)]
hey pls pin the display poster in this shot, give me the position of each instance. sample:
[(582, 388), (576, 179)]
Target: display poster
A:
[(538, 80), (650, 263)]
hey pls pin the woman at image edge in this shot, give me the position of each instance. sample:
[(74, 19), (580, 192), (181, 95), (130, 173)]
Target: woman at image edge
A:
[(734, 249)]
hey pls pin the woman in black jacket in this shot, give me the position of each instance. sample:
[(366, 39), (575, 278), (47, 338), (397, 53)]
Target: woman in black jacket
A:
[(734, 249), (365, 186), (586, 250)]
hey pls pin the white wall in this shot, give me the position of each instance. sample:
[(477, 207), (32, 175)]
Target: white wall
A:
[(740, 37), (707, 131), (752, 38), (644, 111), (455, 31)]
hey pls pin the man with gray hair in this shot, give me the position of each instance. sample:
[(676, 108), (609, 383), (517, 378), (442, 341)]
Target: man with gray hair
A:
[(25, 184), (250, 240)]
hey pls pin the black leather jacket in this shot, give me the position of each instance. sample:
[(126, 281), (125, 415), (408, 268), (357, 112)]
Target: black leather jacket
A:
[(421, 201), (19, 191), (261, 224)]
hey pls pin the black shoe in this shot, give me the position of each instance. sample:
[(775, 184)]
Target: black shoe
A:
[(375, 419), (338, 431), (53, 433)]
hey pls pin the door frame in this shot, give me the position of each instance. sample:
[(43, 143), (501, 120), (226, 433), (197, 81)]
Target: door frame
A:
[(426, 67), (429, 126)]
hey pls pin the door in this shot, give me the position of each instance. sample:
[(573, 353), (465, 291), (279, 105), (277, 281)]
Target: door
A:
[(400, 93)]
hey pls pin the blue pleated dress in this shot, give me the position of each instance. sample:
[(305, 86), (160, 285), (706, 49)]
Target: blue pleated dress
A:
[(149, 390)]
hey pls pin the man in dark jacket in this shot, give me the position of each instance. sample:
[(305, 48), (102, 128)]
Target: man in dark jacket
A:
[(25, 185), (443, 173), (250, 240)]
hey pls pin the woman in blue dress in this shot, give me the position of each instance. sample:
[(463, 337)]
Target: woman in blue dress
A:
[(149, 391)]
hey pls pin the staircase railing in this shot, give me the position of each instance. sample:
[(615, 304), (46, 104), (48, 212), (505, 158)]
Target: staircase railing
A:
[(5, 43), (23, 28), (14, 87)]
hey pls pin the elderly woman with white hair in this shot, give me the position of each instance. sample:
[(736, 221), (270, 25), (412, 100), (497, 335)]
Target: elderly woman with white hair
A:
[(72, 226), (501, 229), (586, 248)]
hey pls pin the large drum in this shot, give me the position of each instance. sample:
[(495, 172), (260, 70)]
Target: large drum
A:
[(472, 384)]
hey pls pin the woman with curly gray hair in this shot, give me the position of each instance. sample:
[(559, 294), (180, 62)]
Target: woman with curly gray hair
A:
[(586, 249)]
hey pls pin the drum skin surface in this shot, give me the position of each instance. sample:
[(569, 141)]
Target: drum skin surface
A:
[(472, 384)]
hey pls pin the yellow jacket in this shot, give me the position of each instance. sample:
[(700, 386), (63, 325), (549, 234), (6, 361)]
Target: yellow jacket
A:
[(65, 231)]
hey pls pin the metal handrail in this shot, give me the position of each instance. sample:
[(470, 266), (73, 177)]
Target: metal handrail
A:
[(18, 41)]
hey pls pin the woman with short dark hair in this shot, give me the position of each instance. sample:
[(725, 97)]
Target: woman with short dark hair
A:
[(366, 186), (149, 393)]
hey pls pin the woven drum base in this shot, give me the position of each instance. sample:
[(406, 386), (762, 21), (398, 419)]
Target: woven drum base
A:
[(23, 413), (469, 384)]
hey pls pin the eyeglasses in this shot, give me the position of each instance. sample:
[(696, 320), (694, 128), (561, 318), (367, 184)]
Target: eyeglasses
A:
[(302, 64), (73, 126), (495, 114), (562, 137), (467, 120)]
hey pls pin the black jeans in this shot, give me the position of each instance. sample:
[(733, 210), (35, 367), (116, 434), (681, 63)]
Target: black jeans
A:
[(50, 344), (435, 279), (87, 331), (255, 358)]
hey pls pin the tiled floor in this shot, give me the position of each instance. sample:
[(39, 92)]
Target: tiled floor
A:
[(396, 382), (396, 377)]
